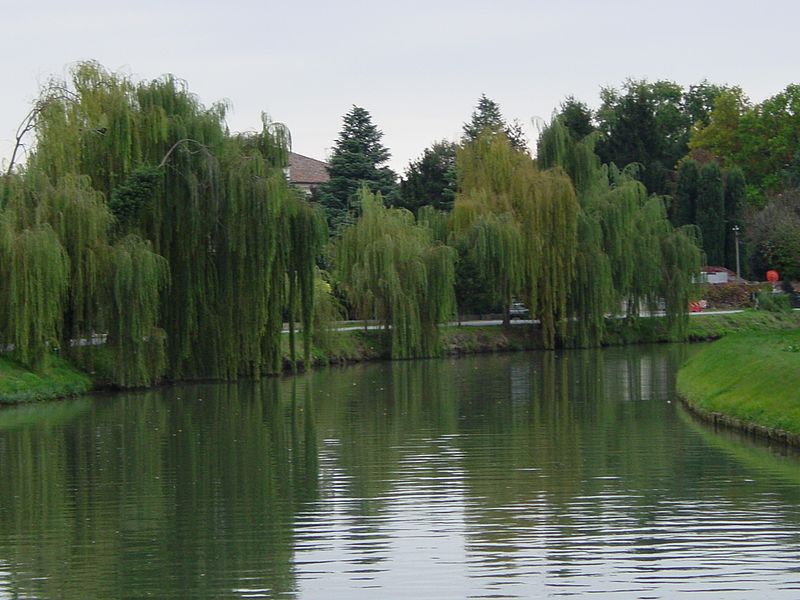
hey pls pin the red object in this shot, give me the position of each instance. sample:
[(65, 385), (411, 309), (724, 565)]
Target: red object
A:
[(772, 276)]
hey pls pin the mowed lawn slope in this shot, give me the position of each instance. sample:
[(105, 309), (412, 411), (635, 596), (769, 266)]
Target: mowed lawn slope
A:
[(753, 377)]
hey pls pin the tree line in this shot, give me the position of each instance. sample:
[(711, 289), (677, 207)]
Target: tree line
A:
[(477, 223), (137, 214), (717, 159)]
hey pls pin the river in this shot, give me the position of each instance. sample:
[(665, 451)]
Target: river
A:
[(507, 476)]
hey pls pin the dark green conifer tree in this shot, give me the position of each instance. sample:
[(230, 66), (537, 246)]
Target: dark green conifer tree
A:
[(577, 117), (735, 199), (710, 215), (684, 204), (430, 179), (358, 159), (487, 117)]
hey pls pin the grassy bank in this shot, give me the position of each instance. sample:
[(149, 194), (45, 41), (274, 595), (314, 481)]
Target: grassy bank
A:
[(57, 379), (711, 327), (748, 380)]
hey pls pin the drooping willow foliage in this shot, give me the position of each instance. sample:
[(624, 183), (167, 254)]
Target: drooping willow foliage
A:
[(393, 270), (90, 300), (184, 243), (307, 234), (629, 255), (520, 226), (137, 275), (34, 272)]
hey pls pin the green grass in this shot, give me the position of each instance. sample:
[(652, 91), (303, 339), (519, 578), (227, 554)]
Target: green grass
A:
[(753, 377), (703, 327), (56, 379)]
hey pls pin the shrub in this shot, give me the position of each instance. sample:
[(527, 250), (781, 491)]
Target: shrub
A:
[(727, 295), (774, 302)]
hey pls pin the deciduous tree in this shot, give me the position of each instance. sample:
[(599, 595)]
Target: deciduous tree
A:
[(393, 270)]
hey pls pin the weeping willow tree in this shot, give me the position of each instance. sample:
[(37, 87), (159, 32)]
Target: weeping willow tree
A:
[(307, 234), (136, 277), (392, 270), (520, 224), (327, 312), (34, 274), (493, 244), (81, 219), (435, 220), (152, 198), (103, 288), (627, 249)]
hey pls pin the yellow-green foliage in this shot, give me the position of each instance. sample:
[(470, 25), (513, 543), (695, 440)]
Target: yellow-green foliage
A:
[(628, 252), (327, 312), (137, 277), (307, 233), (34, 271), (137, 183), (393, 270), (436, 221), (521, 226), (753, 377)]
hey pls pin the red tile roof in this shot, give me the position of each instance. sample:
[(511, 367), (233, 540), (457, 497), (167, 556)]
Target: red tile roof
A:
[(305, 170)]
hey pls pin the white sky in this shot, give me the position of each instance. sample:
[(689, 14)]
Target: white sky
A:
[(417, 67)]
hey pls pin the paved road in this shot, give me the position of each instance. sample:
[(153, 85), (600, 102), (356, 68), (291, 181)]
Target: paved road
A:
[(356, 325)]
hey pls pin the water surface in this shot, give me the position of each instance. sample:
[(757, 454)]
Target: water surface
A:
[(514, 476)]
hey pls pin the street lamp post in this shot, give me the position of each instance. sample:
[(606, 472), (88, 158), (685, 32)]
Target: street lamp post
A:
[(736, 234)]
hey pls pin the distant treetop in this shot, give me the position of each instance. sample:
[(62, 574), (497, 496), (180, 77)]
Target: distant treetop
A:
[(487, 117)]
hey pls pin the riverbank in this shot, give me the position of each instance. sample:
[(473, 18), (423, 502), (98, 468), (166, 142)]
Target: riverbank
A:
[(60, 379), (57, 379), (356, 345), (748, 381)]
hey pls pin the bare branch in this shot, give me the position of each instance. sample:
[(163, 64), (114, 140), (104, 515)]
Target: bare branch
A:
[(178, 143)]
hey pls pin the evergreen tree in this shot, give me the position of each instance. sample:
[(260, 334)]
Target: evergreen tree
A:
[(359, 158), (735, 198), (576, 117), (631, 135), (487, 117), (431, 179), (711, 213), (684, 204)]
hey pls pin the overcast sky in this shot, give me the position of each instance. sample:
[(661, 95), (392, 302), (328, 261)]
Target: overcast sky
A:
[(417, 66)]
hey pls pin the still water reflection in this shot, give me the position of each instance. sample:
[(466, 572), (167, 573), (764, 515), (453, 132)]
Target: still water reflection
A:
[(526, 475)]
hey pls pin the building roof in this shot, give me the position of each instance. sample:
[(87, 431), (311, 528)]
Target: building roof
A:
[(305, 170)]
